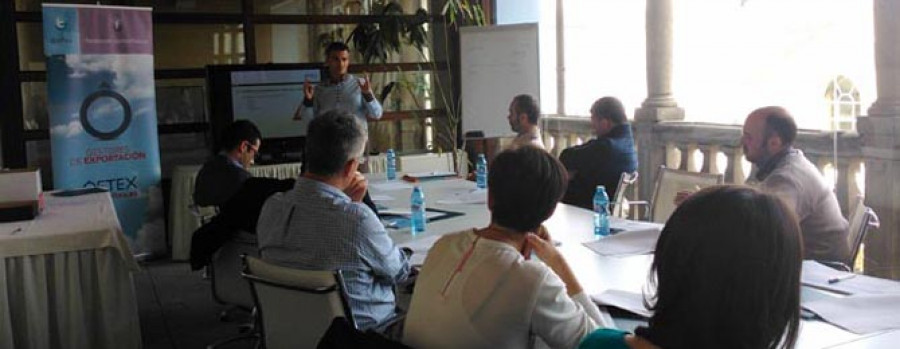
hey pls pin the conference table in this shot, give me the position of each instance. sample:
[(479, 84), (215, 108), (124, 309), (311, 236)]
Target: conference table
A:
[(182, 222), (66, 278), (571, 227)]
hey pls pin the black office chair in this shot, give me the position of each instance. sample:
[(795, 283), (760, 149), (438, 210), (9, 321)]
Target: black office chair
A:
[(669, 182), (862, 219), (228, 288)]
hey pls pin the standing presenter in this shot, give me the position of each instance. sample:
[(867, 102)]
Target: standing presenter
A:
[(340, 90)]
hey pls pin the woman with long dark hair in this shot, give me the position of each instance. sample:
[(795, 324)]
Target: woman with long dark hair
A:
[(726, 274)]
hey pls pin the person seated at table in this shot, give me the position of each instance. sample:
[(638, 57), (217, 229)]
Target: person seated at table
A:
[(223, 174), (321, 224), (479, 288), (768, 143), (224, 182), (602, 160), (239, 214), (783, 170), (726, 271), (523, 117)]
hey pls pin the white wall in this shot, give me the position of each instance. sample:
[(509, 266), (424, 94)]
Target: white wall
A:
[(542, 12)]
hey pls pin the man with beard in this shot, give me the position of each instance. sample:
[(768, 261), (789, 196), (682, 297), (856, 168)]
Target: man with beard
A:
[(783, 170), (524, 113)]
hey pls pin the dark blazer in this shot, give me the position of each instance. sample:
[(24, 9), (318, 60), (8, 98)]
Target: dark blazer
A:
[(598, 162), (218, 180), (239, 213)]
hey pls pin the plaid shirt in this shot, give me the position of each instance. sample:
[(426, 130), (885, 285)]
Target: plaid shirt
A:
[(315, 226)]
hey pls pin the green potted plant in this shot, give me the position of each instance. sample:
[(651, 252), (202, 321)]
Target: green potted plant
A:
[(376, 41), (456, 13)]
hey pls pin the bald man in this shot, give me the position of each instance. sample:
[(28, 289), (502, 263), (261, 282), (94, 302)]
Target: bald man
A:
[(767, 140)]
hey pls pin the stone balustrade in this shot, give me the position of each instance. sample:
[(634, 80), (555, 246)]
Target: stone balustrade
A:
[(715, 148)]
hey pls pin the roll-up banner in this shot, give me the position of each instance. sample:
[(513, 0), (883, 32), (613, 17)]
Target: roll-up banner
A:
[(102, 104)]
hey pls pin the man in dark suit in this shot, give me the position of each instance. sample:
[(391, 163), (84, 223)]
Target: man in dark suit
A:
[(224, 182), (223, 174), (602, 160)]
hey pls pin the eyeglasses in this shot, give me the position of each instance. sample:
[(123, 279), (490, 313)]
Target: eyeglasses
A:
[(254, 148)]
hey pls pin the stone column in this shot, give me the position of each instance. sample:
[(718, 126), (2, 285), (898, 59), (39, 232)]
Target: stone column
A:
[(560, 60), (880, 134), (659, 105)]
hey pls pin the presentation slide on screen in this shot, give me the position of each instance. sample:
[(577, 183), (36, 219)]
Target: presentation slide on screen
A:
[(270, 98)]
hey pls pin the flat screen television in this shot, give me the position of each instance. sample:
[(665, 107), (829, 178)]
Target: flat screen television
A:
[(266, 94)]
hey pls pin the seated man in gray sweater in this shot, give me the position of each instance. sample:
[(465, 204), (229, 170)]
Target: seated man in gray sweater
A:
[(781, 169)]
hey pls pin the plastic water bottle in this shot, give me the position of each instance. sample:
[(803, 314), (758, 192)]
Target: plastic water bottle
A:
[(601, 212), (417, 208), (481, 172), (391, 165)]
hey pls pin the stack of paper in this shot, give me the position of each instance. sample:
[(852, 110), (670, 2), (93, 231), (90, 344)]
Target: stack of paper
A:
[(870, 305), (389, 185), (859, 314), (474, 196), (405, 212), (381, 197), (626, 243), (628, 301), (819, 276), (420, 247), (429, 175)]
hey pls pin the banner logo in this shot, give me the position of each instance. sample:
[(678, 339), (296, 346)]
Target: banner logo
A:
[(61, 23), (105, 92)]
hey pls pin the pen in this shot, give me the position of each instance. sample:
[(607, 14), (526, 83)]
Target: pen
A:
[(837, 279), (18, 229)]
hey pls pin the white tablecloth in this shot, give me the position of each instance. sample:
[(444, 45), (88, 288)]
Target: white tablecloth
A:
[(571, 226), (65, 278), (182, 222)]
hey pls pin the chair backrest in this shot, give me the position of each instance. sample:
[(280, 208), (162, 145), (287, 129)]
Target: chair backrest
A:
[(626, 180), (669, 182), (225, 271), (426, 163), (295, 307), (377, 163), (862, 219)]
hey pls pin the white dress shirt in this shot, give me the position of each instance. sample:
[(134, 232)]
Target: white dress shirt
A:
[(533, 138)]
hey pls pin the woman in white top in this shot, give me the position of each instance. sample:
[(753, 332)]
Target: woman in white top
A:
[(479, 289)]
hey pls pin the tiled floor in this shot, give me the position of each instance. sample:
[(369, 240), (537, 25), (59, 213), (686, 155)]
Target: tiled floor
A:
[(177, 309)]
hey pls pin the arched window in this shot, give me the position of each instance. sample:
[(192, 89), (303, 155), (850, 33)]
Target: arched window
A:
[(843, 103)]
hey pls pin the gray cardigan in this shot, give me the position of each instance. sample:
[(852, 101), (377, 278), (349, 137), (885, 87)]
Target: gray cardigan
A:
[(796, 180)]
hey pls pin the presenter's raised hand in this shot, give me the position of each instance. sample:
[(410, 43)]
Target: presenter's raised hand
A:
[(364, 86), (308, 90), (298, 113)]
